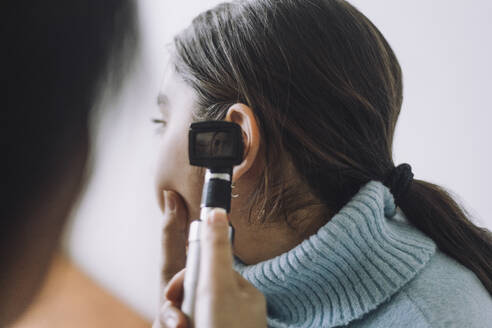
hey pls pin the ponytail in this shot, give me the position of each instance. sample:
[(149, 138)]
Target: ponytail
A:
[(434, 212)]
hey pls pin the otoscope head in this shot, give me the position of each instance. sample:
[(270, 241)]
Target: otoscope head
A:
[(218, 146)]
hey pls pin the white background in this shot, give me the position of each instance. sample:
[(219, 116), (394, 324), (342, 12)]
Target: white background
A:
[(444, 48)]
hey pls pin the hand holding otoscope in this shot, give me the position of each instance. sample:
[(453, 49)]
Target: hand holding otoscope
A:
[(217, 146), (209, 292)]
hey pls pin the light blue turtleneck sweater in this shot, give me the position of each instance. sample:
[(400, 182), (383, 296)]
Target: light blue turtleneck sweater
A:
[(367, 267)]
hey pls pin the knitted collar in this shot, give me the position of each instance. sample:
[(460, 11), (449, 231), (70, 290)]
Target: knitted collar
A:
[(355, 262)]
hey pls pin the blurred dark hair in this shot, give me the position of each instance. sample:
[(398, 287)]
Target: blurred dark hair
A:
[(55, 54), (326, 89)]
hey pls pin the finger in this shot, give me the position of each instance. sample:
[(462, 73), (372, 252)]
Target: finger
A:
[(174, 289), (216, 261), (174, 227), (170, 317)]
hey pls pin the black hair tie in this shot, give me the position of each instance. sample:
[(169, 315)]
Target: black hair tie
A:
[(399, 181)]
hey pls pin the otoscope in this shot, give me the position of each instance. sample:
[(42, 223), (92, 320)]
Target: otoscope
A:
[(217, 146)]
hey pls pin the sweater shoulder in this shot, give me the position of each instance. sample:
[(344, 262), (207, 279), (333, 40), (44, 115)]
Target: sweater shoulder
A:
[(443, 294), (450, 295), (399, 311)]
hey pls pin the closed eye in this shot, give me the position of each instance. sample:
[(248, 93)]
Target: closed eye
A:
[(161, 127), (159, 121)]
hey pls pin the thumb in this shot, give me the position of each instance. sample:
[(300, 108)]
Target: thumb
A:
[(173, 240), (216, 259)]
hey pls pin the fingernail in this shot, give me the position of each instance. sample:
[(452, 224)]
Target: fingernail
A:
[(163, 202), (170, 202), (217, 216), (171, 321)]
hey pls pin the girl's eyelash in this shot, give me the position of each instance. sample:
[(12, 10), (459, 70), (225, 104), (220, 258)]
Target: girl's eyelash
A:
[(162, 125), (158, 121)]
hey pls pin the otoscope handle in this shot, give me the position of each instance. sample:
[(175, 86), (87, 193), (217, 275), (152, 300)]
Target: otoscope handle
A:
[(193, 269)]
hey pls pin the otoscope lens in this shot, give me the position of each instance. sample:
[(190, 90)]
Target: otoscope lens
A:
[(214, 144)]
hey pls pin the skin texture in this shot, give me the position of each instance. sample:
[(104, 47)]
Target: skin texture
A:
[(69, 298)]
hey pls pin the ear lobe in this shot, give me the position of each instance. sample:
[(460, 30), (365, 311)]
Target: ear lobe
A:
[(243, 115)]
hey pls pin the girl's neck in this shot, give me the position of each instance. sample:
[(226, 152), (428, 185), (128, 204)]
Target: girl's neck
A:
[(254, 243)]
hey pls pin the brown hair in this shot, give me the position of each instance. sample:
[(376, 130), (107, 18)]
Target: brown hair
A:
[(326, 89)]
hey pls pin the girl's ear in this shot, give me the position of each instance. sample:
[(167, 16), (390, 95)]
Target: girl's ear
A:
[(243, 115)]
